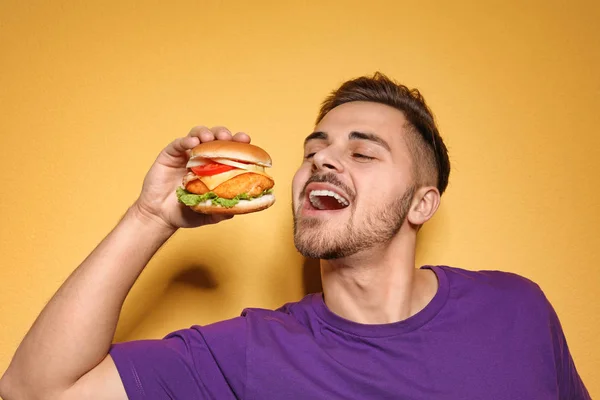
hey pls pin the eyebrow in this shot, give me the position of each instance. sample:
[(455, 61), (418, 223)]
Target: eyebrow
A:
[(316, 136), (354, 135), (370, 137)]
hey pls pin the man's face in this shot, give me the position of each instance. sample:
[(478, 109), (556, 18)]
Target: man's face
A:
[(354, 187)]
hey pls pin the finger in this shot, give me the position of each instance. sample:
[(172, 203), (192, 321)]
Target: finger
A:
[(221, 133), (203, 133), (241, 137), (179, 147)]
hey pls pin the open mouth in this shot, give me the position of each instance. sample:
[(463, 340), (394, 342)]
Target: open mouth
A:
[(327, 200)]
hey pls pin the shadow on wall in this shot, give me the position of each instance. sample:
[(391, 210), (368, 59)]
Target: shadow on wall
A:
[(311, 276), (192, 285), (195, 276)]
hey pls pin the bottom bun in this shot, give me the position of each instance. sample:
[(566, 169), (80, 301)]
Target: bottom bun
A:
[(243, 207)]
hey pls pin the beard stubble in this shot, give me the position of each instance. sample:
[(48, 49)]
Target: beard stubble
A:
[(314, 239)]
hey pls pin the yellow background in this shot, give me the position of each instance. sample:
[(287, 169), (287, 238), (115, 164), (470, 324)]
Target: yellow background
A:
[(91, 91)]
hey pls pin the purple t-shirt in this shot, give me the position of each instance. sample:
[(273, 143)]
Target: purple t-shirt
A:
[(485, 335)]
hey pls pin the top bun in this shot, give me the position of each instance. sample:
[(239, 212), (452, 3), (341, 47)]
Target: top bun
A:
[(236, 151)]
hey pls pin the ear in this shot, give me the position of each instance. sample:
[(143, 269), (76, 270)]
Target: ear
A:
[(426, 201)]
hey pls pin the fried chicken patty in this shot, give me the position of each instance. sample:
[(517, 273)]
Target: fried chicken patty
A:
[(250, 183)]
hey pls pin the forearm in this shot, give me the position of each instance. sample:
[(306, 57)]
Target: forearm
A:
[(75, 330)]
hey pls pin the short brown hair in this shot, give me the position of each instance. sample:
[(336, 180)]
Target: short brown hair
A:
[(431, 164)]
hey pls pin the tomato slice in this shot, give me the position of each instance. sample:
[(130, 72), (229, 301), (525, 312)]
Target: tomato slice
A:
[(211, 169)]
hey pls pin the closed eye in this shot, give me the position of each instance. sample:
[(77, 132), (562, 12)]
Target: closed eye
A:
[(362, 156), (309, 155)]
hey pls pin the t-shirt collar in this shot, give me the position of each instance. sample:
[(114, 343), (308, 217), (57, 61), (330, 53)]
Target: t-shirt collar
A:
[(396, 328)]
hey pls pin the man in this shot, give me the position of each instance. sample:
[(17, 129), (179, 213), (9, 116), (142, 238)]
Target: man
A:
[(381, 329)]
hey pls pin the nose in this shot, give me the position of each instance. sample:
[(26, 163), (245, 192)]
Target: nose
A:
[(326, 160)]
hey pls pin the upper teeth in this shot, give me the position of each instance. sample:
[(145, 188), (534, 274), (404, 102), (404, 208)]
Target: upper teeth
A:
[(315, 194)]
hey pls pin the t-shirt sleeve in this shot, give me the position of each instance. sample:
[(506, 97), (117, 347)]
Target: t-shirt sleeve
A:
[(570, 385), (198, 363)]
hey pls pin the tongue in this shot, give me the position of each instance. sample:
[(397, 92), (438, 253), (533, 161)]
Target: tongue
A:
[(329, 203)]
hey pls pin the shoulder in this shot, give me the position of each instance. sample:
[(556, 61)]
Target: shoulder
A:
[(291, 318), (289, 312), (504, 289), (235, 330), (488, 279)]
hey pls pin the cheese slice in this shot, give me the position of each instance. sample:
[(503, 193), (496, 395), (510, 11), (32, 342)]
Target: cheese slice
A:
[(213, 181)]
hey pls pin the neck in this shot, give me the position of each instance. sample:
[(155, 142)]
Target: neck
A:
[(380, 285)]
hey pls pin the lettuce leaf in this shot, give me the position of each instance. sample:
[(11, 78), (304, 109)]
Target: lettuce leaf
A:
[(191, 199)]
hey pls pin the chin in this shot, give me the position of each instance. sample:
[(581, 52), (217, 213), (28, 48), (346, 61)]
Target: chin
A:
[(317, 238)]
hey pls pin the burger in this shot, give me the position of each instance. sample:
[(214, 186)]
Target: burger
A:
[(227, 177)]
